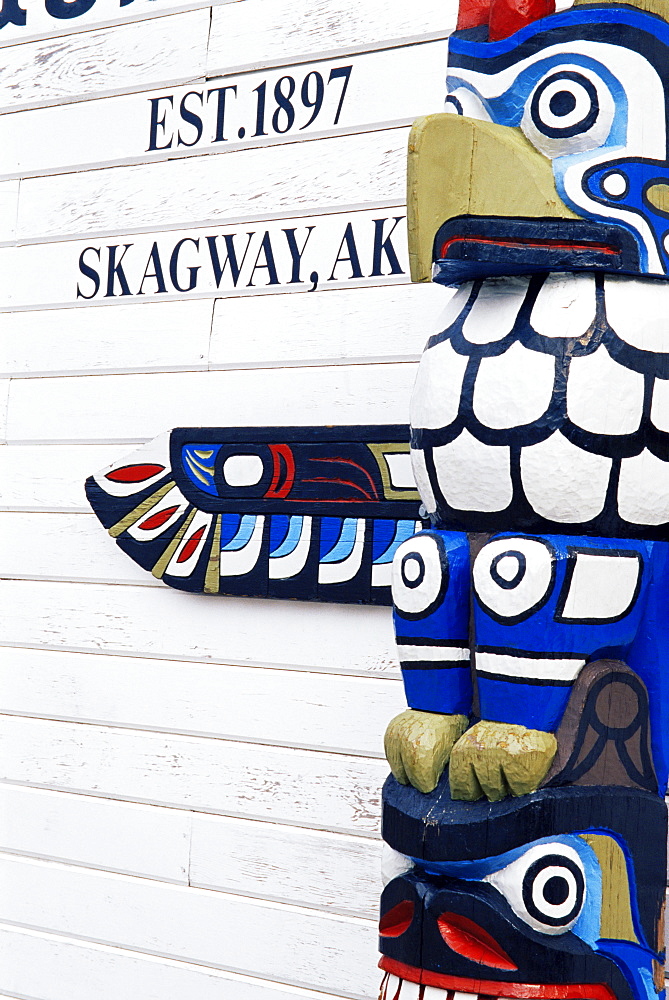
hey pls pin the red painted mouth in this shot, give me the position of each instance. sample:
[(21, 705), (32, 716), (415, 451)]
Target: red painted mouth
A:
[(533, 244), (491, 988)]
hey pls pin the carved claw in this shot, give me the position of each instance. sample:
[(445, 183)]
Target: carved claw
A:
[(418, 746), (497, 759)]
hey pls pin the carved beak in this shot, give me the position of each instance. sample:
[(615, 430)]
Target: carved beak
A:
[(461, 167)]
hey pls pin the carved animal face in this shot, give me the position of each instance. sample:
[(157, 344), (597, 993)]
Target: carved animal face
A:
[(569, 913), (585, 93)]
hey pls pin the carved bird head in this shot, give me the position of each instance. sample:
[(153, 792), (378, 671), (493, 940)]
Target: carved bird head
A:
[(553, 152)]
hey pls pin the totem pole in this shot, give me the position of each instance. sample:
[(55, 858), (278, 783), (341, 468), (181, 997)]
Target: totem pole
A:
[(524, 820)]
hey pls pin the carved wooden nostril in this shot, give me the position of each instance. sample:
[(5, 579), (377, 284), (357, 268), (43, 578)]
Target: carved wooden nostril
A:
[(467, 938), (397, 920)]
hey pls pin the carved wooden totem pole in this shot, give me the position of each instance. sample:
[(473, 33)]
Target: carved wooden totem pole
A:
[(525, 816)]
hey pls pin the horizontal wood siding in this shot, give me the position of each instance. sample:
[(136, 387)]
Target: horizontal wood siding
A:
[(327, 951), (158, 621), (322, 711), (129, 408), (277, 181), (61, 967), (190, 786), (186, 120)]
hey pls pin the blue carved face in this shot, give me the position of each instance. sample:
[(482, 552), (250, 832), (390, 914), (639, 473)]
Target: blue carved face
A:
[(574, 913), (588, 88)]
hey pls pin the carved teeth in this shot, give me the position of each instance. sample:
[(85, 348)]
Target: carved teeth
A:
[(393, 988)]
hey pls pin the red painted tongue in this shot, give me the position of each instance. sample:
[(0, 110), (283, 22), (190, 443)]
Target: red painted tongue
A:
[(503, 17)]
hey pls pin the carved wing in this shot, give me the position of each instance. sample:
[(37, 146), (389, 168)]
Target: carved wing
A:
[(313, 513)]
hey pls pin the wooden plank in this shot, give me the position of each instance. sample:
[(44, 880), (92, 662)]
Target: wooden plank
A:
[(130, 57), (344, 714), (326, 791), (45, 966), (97, 833), (335, 96), (278, 329), (39, 23), (257, 183), (9, 202), (158, 337), (194, 925), (137, 407), (46, 546), (165, 623), (4, 404), (259, 33), (362, 323), (35, 477), (302, 254), (309, 868)]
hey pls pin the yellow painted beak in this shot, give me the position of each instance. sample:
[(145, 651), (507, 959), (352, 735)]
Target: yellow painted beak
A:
[(464, 167)]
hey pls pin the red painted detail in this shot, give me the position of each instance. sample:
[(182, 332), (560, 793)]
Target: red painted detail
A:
[(466, 938), (279, 452), (473, 13), (191, 545), (134, 473), (156, 520), (495, 988), (535, 244), (341, 482), (356, 465), (397, 920), (509, 16)]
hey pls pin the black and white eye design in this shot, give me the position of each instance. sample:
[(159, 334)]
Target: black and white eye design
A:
[(564, 105), (514, 577), (569, 111), (545, 887), (420, 575)]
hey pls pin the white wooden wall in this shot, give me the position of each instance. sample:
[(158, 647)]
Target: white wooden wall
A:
[(190, 785)]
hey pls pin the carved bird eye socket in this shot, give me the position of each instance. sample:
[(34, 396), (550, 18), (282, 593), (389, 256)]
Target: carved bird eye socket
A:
[(564, 104), (514, 577), (545, 887), (463, 101), (420, 575), (568, 112)]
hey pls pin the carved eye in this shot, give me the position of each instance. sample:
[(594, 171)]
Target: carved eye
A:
[(513, 577), (565, 104), (545, 887), (420, 575), (568, 112)]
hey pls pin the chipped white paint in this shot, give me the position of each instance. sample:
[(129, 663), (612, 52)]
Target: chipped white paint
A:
[(188, 923), (55, 966), (162, 623), (256, 183), (181, 776), (50, 410), (220, 115), (310, 709), (262, 33), (130, 57)]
